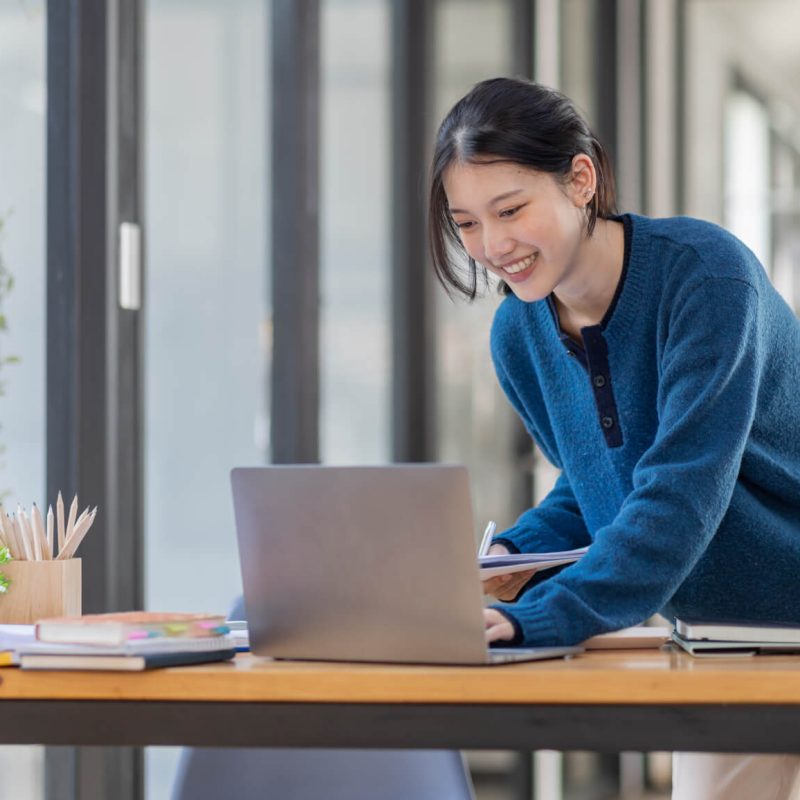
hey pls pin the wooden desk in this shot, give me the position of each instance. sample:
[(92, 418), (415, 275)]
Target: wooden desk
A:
[(635, 700)]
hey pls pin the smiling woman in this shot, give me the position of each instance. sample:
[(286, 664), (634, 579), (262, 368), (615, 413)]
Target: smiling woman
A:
[(666, 419), (544, 147), (534, 237)]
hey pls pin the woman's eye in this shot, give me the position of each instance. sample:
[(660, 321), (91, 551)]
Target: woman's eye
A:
[(509, 212), (464, 226)]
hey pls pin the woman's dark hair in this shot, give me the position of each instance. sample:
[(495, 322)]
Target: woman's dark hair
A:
[(517, 121)]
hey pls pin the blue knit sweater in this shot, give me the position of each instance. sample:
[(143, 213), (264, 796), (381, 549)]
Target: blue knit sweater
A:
[(676, 424)]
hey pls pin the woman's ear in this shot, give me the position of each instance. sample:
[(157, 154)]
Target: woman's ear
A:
[(583, 180)]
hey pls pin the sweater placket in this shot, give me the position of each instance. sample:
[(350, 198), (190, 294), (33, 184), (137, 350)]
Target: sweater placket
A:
[(593, 357)]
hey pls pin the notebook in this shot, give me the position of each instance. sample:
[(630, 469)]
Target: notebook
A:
[(364, 564), (637, 637), (700, 638), (505, 564), (124, 663), (122, 626), (738, 631), (132, 655)]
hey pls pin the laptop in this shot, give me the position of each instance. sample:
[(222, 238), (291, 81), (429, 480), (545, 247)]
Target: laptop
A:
[(364, 564)]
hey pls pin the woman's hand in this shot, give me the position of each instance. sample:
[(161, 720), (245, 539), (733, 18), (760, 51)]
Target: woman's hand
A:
[(498, 628), (505, 587)]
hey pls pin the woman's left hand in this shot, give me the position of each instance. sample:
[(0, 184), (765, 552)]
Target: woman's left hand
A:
[(498, 628)]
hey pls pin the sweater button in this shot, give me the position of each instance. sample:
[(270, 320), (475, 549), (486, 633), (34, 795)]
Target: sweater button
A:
[(607, 422), (599, 381), (570, 353)]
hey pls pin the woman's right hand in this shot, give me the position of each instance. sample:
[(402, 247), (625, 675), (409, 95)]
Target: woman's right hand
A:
[(505, 587)]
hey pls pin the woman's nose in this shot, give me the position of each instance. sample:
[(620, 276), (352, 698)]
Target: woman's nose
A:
[(497, 244)]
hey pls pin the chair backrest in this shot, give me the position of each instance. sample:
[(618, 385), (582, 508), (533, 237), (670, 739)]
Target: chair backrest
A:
[(283, 774)]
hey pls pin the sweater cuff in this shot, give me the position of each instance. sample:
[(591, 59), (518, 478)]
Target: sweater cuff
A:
[(518, 634), (533, 626), (507, 543)]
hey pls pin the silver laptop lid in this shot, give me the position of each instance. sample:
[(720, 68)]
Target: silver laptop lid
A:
[(360, 563)]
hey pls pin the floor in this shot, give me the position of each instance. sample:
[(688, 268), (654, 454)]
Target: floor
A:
[(500, 775), (498, 790)]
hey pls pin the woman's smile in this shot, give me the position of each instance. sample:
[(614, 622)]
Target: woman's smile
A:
[(518, 270)]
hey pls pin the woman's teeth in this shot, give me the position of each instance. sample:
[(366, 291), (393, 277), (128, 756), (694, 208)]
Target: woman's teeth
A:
[(518, 266)]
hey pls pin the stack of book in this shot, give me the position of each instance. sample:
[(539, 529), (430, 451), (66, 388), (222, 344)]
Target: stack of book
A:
[(131, 641), (735, 637)]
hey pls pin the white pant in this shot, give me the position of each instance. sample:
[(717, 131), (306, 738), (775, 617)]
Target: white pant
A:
[(722, 776)]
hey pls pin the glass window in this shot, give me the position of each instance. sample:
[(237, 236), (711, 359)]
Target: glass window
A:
[(577, 57), (355, 317), (22, 243), (747, 185), (475, 421), (206, 302), (742, 114), (22, 251), (786, 219)]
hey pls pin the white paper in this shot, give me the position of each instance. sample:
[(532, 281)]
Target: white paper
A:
[(12, 637), (505, 564)]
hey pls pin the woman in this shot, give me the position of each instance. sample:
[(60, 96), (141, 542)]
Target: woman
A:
[(653, 363)]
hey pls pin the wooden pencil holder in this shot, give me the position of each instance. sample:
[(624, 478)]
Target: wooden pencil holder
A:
[(40, 589)]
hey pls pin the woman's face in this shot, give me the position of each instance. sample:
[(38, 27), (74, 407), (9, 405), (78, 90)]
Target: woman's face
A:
[(520, 224)]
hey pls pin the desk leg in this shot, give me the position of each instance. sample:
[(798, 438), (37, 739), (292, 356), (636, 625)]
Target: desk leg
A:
[(548, 772), (93, 773), (522, 778)]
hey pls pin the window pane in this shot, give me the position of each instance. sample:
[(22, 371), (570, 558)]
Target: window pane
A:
[(747, 157), (475, 421), (355, 316), (206, 304), (22, 239), (742, 151)]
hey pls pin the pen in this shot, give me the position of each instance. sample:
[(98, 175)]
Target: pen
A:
[(486, 542)]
